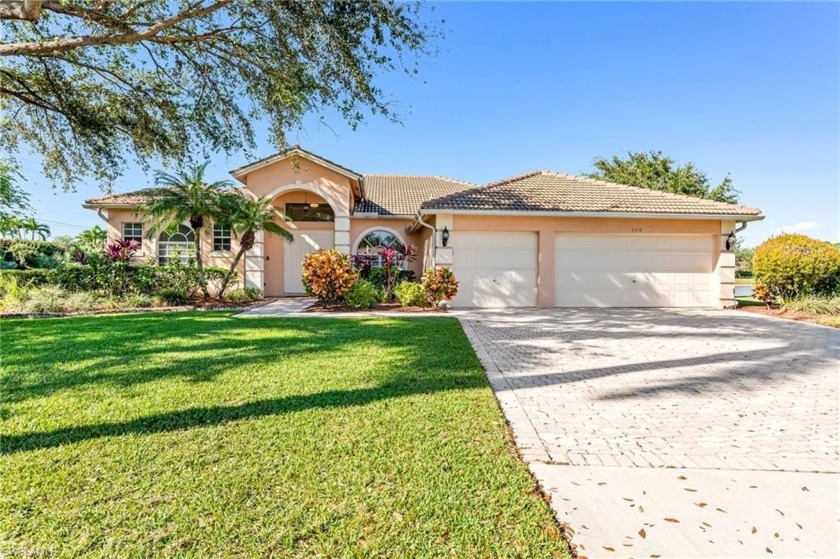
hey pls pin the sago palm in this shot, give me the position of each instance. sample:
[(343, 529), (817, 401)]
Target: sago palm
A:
[(185, 196), (246, 216)]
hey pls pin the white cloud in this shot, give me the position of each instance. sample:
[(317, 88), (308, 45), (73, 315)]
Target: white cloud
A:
[(800, 227)]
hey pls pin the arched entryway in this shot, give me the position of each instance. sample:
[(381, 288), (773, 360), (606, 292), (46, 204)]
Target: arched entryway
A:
[(318, 220)]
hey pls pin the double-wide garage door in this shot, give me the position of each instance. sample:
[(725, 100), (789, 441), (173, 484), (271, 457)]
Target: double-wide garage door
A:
[(500, 269), (603, 270)]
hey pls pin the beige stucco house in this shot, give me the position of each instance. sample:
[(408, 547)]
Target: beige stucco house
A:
[(540, 239)]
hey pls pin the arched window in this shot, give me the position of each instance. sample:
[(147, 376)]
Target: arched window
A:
[(374, 241), (179, 245)]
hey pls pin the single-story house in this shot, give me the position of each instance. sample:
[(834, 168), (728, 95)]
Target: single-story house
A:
[(541, 239)]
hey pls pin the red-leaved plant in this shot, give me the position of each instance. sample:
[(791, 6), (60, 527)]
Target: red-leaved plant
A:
[(121, 250)]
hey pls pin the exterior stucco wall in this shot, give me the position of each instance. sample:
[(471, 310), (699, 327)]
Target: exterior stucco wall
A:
[(148, 247), (547, 227), (331, 186), (116, 218)]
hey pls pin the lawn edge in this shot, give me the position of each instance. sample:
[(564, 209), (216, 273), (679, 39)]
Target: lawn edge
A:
[(511, 404)]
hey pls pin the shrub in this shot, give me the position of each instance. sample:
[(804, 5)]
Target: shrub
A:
[(138, 301), (25, 252), (47, 299), (410, 294), (363, 295), (814, 304), (439, 285), (25, 278), (243, 295), (82, 301), (328, 275), (792, 266), (379, 276), (173, 297)]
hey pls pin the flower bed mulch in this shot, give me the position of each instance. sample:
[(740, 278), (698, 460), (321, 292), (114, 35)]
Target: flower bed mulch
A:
[(381, 307), (790, 315)]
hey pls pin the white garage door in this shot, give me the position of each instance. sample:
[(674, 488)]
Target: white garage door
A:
[(495, 269), (633, 270)]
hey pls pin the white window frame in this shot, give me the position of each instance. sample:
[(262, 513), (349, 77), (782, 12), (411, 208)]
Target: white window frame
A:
[(377, 262), (222, 234), (164, 248), (133, 236)]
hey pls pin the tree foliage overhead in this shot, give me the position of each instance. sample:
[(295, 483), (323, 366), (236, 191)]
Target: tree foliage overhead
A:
[(94, 82), (14, 201), (656, 171)]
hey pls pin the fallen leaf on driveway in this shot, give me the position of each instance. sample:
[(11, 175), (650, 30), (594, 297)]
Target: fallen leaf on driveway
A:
[(754, 530), (642, 533), (671, 520), (701, 504), (608, 548), (768, 550)]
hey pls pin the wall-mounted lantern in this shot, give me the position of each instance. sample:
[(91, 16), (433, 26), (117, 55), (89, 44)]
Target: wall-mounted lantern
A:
[(444, 236), (730, 241)]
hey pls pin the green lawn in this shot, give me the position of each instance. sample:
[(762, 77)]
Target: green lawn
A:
[(202, 435)]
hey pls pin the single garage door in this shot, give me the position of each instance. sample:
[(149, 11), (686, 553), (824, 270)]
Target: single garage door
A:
[(495, 269), (633, 270)]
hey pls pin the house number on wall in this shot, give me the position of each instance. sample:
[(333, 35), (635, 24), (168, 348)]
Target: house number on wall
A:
[(635, 229)]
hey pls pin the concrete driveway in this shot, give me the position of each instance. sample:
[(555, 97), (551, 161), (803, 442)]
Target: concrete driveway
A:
[(665, 433)]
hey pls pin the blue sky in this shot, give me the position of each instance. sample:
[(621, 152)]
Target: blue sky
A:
[(748, 89)]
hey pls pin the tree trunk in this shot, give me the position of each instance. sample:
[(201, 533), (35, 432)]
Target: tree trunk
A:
[(202, 279), (28, 10), (246, 243), (231, 271)]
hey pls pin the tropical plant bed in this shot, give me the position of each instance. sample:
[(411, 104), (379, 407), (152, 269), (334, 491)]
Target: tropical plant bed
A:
[(197, 305), (203, 435), (395, 308)]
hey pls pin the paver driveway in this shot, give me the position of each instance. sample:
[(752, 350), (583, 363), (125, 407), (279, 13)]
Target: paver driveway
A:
[(605, 403)]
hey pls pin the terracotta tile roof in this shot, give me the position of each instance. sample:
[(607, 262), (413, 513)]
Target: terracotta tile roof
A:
[(132, 198), (403, 194), (550, 191)]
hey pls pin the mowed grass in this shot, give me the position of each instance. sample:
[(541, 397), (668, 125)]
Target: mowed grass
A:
[(203, 435)]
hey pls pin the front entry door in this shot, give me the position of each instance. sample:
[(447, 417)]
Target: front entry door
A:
[(306, 241)]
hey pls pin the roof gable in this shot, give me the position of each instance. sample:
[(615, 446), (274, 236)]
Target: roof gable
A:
[(294, 151)]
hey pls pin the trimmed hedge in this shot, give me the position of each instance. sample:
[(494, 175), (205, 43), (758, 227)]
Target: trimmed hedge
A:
[(791, 266), (114, 278), (26, 253)]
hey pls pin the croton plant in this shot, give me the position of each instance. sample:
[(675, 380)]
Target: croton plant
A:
[(328, 275)]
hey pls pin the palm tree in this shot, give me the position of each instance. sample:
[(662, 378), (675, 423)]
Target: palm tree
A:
[(35, 228), (247, 216), (11, 227), (93, 239), (185, 196)]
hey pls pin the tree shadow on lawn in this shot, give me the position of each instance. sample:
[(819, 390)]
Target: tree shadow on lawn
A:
[(428, 383), (47, 356)]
